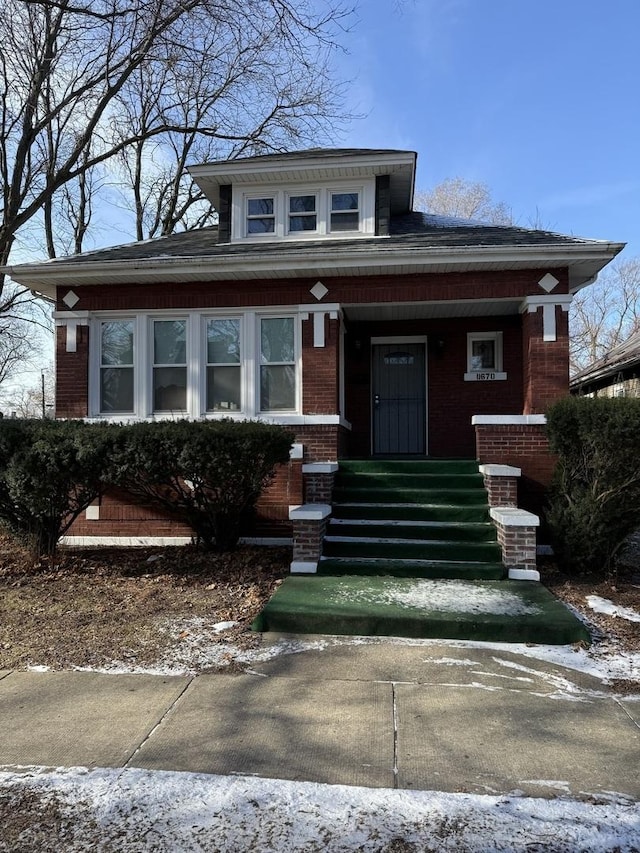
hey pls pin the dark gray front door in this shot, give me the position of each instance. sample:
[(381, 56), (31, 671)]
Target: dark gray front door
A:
[(399, 398)]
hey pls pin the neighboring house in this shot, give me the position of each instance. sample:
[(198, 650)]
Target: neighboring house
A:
[(321, 301), (617, 374)]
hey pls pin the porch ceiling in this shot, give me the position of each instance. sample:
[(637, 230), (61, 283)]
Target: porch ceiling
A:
[(391, 311)]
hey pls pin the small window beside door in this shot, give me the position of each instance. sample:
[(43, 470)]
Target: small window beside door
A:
[(484, 357)]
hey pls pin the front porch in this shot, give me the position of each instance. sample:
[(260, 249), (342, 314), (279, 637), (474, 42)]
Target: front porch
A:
[(413, 549)]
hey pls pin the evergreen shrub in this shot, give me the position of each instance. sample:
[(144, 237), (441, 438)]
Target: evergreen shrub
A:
[(594, 501), (208, 474), (50, 471)]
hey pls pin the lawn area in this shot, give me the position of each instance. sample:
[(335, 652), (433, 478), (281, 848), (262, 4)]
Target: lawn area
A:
[(178, 608)]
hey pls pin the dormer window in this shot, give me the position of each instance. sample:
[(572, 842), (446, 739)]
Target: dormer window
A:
[(303, 215), (261, 215), (345, 211), (303, 211)]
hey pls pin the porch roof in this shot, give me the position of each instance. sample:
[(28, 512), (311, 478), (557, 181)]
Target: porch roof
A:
[(418, 243)]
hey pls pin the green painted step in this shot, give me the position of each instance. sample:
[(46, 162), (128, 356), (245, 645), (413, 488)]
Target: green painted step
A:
[(424, 550), (490, 611), (365, 494), (460, 532), (412, 466), (413, 512), (412, 481), (411, 568)]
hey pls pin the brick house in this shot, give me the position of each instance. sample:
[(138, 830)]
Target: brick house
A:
[(616, 374), (323, 302)]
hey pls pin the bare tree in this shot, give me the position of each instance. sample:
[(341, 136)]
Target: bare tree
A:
[(34, 397), (604, 314), (234, 75), (462, 199)]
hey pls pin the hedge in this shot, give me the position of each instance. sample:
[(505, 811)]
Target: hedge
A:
[(595, 496)]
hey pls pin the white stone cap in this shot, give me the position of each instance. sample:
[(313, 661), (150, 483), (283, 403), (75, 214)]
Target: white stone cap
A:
[(500, 470), (513, 516), (524, 574), (302, 567), (320, 467), (309, 512), (507, 420)]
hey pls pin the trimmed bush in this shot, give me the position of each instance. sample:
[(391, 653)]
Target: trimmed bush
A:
[(594, 500), (208, 474), (50, 471)]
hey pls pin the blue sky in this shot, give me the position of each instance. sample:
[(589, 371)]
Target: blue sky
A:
[(539, 100)]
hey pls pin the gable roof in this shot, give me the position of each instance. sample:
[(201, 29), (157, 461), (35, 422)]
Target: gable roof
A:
[(418, 242), (623, 357)]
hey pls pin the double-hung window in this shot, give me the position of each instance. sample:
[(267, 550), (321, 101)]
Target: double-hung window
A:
[(261, 215), (116, 366), (223, 365), (345, 211), (303, 214), (169, 365), (277, 364)]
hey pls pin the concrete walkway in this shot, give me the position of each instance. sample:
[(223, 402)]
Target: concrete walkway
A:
[(384, 715)]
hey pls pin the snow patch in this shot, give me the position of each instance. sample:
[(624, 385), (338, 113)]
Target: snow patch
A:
[(443, 596), (603, 605), (187, 812)]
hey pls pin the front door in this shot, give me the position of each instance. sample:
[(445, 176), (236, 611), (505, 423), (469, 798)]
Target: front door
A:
[(399, 398)]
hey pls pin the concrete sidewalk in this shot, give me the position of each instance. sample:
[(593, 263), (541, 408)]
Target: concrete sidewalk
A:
[(384, 715)]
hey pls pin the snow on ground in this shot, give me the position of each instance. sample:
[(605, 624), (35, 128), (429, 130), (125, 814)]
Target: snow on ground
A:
[(603, 605), (446, 596), (174, 812)]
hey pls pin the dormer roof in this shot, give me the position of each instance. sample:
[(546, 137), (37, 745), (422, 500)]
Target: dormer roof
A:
[(313, 165)]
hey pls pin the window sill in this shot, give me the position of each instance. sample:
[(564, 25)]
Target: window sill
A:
[(485, 376)]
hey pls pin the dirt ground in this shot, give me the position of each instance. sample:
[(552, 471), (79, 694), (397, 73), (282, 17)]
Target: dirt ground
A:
[(134, 606)]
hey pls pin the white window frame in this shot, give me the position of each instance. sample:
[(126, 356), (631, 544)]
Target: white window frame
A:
[(152, 364), (330, 211), (206, 318), (488, 374), (248, 217), (288, 214), (250, 328), (100, 366), (297, 362), (241, 195)]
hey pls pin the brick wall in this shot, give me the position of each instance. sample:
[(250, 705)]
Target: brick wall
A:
[(72, 374), (349, 290), (451, 402), (320, 369), (546, 363), (524, 446)]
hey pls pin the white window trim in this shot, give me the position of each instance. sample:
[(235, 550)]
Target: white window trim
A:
[(318, 213), (297, 362), (96, 364), (282, 193), (202, 383), (164, 413), (248, 217), (489, 375)]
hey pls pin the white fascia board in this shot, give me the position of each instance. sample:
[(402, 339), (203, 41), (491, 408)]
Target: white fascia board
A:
[(273, 169), (43, 277)]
